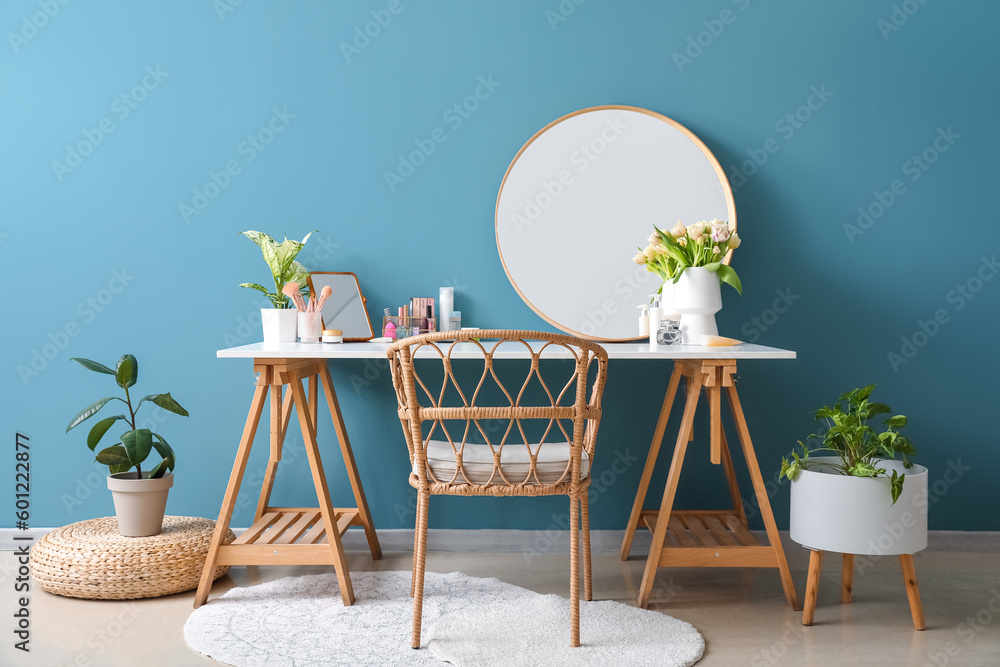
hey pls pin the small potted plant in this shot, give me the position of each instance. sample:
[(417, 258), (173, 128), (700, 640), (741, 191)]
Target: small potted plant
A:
[(860, 499), (690, 259), (279, 322), (140, 495)]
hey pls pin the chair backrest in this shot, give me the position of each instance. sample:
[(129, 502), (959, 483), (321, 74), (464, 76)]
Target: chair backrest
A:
[(491, 442)]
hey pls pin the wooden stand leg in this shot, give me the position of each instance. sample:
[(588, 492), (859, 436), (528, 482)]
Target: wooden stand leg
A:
[(847, 579), (667, 504), (322, 491), (647, 471), (232, 490), (279, 427), (734, 488), (364, 515), (912, 592), (761, 492), (812, 586)]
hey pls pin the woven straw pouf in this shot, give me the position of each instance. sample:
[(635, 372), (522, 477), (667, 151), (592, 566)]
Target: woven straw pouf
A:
[(91, 560)]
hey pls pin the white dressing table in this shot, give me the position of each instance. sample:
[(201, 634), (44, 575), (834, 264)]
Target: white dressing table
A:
[(295, 535)]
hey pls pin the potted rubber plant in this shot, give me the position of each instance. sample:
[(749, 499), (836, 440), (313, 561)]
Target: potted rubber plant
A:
[(860, 498), (278, 322), (139, 491)]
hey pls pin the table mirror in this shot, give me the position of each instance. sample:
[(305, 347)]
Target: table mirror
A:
[(345, 309), (579, 197)]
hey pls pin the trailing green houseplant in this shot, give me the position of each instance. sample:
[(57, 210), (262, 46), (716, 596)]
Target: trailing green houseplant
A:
[(280, 258), (858, 445), (135, 444)]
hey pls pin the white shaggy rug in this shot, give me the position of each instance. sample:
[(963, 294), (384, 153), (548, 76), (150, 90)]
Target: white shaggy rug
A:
[(301, 622)]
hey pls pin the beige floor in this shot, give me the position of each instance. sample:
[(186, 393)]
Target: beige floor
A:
[(741, 613)]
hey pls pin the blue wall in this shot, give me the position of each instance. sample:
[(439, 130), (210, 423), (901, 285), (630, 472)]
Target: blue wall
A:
[(101, 245)]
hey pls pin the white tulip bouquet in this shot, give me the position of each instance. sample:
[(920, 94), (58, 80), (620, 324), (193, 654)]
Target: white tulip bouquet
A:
[(703, 244)]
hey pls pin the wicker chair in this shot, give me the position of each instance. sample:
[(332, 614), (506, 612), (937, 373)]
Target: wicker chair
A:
[(541, 447)]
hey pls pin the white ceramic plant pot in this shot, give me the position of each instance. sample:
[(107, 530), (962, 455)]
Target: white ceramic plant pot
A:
[(697, 297), (139, 503), (278, 324), (854, 515)]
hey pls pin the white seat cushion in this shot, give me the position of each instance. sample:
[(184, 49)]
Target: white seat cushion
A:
[(477, 462)]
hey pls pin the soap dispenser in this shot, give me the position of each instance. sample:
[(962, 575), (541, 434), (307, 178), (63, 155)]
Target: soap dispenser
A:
[(643, 320), (654, 318)]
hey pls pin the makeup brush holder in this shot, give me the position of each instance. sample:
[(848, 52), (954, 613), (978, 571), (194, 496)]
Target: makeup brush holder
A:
[(310, 326)]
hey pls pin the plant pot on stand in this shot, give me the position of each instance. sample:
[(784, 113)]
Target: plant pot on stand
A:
[(697, 297), (139, 503), (831, 511)]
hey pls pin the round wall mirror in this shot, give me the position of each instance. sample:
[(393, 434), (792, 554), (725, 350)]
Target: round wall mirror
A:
[(582, 194)]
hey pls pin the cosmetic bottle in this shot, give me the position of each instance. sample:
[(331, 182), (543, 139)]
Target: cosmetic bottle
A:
[(446, 303), (456, 320), (643, 320), (429, 321), (654, 318)]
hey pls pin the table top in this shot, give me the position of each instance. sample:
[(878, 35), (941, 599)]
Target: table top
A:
[(508, 351)]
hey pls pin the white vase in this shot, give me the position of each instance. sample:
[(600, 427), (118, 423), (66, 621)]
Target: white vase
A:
[(667, 301), (139, 503), (278, 324), (697, 297), (854, 515)]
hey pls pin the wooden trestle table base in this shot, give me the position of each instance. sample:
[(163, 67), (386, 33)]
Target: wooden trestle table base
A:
[(291, 535)]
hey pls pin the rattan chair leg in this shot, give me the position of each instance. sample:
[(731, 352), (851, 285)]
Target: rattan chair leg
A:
[(574, 572), (418, 572), (416, 548), (588, 582)]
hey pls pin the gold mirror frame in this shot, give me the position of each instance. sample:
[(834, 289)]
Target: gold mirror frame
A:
[(714, 163)]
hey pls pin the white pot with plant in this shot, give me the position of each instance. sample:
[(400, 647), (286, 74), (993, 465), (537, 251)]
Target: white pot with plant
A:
[(690, 261), (859, 499), (279, 322), (140, 496)]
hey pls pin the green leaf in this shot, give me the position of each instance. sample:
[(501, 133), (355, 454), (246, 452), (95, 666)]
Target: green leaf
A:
[(896, 485), (862, 469), (299, 274), (89, 411), (728, 275), (93, 366), (713, 267), (165, 401), (164, 450), (897, 421), (99, 429), (259, 288), (122, 467), (863, 394), (158, 471), (114, 456), (137, 444), (127, 371), (875, 409)]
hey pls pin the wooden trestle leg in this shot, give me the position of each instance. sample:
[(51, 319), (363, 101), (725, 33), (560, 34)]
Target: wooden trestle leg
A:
[(709, 538), (291, 535)]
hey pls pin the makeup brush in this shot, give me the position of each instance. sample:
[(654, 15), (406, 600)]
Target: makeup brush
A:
[(324, 295), (292, 290)]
